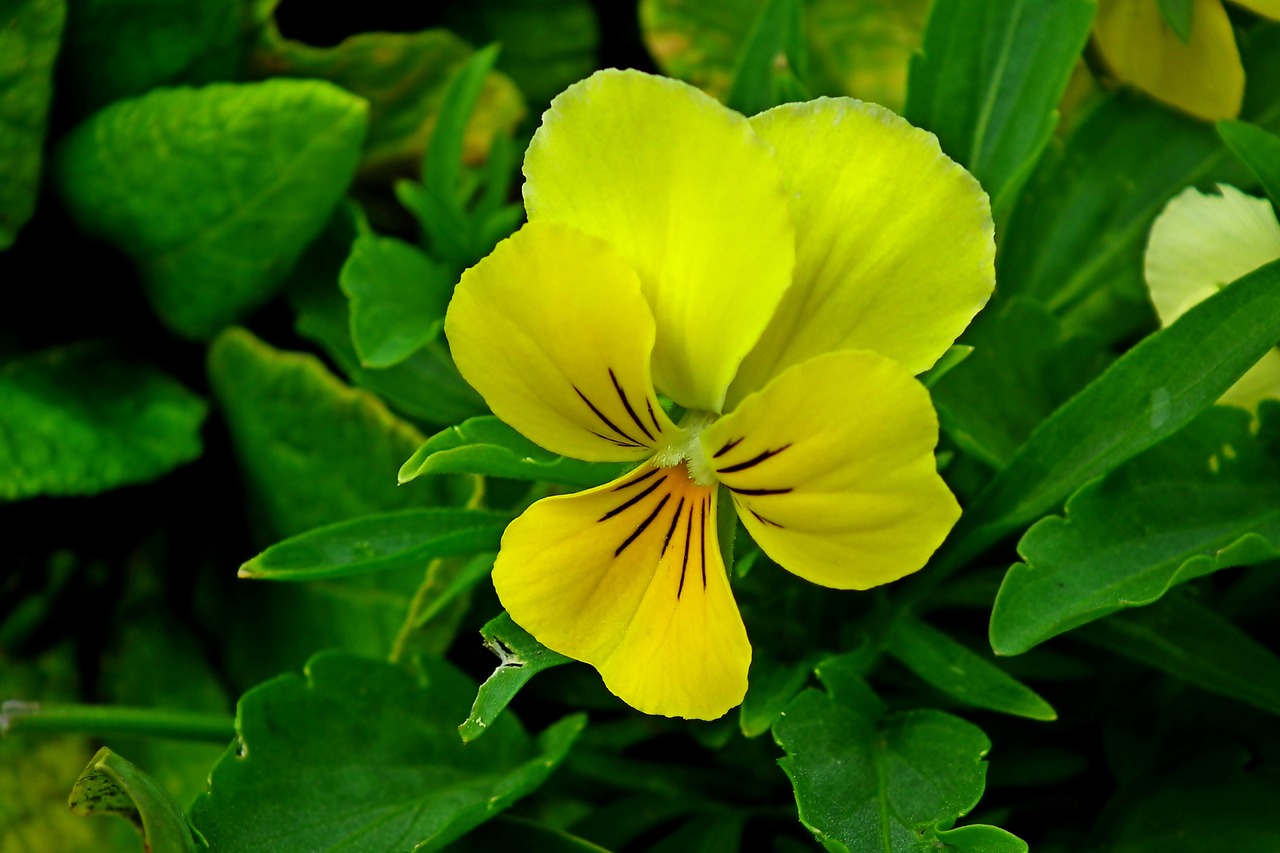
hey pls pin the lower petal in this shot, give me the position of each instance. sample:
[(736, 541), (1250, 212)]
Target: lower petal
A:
[(832, 470), (628, 577)]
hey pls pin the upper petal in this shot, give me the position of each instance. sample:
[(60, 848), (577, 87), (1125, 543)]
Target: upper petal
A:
[(1203, 76), (1201, 242), (552, 330), (628, 578), (894, 241), (691, 199), (832, 470)]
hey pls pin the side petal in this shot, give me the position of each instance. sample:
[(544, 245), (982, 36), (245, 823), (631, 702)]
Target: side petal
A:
[(691, 199), (1201, 242), (895, 248), (1203, 77), (628, 577), (832, 470), (552, 330)]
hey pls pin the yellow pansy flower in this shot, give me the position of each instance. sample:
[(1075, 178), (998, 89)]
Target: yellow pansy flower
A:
[(1200, 243), (782, 279), (1202, 76)]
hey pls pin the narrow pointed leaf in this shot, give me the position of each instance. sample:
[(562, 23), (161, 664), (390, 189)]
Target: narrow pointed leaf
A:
[(375, 543), (989, 79), (520, 657), (1258, 150), (112, 786)]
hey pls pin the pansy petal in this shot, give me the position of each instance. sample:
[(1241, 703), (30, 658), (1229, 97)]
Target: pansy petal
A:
[(628, 577), (1260, 382), (894, 241), (552, 330), (1201, 242), (691, 199), (832, 470), (1202, 76)]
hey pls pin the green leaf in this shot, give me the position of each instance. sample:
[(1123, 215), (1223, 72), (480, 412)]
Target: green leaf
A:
[(951, 359), (78, 421), (110, 785), (980, 839), (1177, 14), (487, 446), (442, 161), (863, 49), (773, 60), (361, 755), (425, 386), (121, 48), (314, 451), (403, 76), (1213, 801), (1206, 499), (214, 192), (1024, 365), (30, 32), (989, 79), (546, 44), (377, 543), (398, 298), (1258, 150), (770, 688), (513, 833), (1190, 641), (961, 673), (868, 781), (1148, 394), (521, 657), (1080, 227)]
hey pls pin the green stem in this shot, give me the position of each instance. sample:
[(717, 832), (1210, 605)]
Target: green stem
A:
[(116, 720)]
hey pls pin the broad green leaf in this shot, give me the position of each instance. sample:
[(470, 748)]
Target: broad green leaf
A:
[(1205, 499), (112, 786), (1081, 226), (313, 452), (962, 673), (121, 48), (989, 79), (214, 192), (1258, 150), (546, 44), (79, 420), (375, 543), (520, 657), (1148, 394), (1190, 641), (1178, 15), (980, 839), (425, 386), (867, 781), (1210, 802), (487, 446), (1024, 365), (398, 297), (855, 48), (403, 77), (30, 32), (772, 67), (359, 755)]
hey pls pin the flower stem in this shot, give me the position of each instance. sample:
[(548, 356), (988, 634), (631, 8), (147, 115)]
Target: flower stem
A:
[(116, 720)]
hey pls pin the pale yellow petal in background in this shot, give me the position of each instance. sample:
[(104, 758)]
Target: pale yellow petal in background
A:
[(552, 330), (1265, 8), (689, 196), (1201, 242), (628, 577), (894, 241), (1203, 77), (832, 470)]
